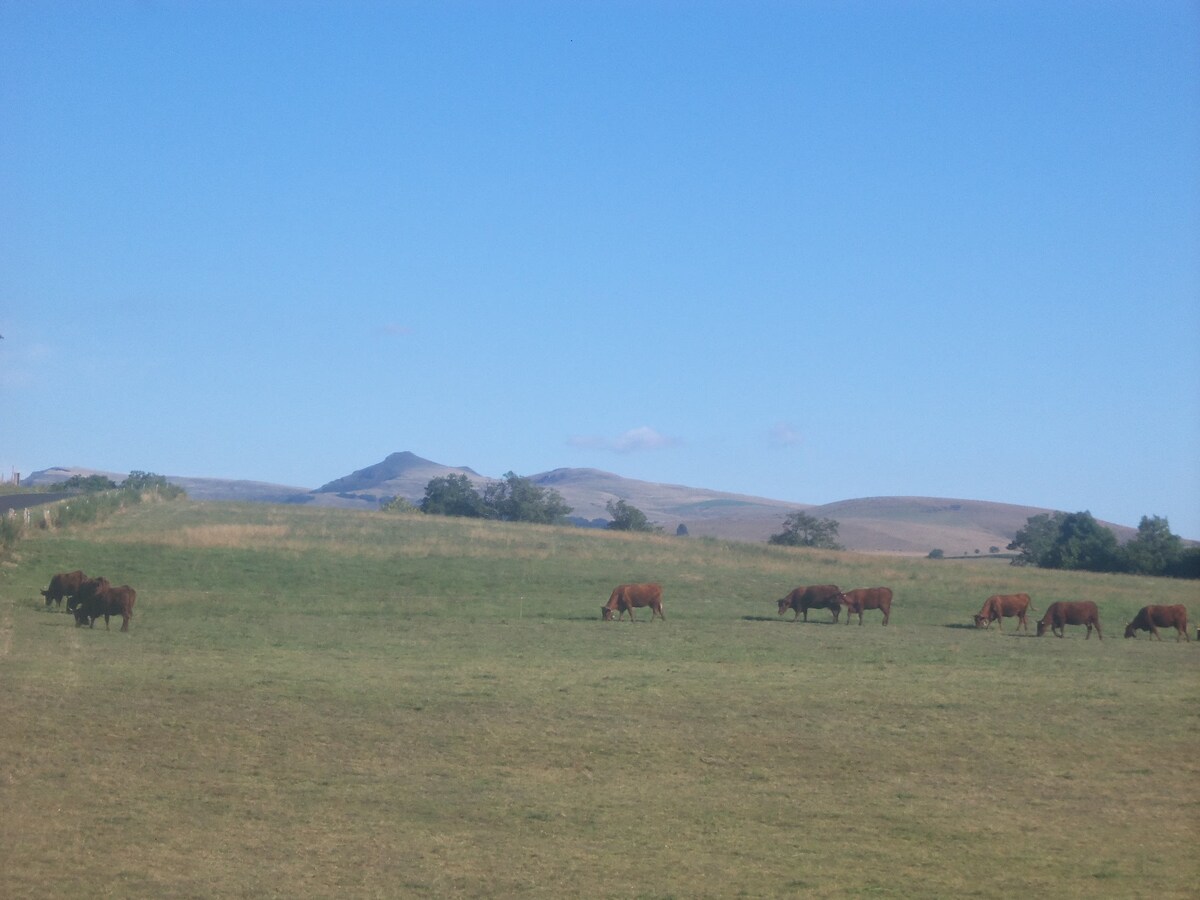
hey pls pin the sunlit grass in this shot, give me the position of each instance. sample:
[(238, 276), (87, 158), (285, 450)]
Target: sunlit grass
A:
[(326, 703)]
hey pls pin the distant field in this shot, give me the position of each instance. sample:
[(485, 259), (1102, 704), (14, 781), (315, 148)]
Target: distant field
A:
[(327, 703)]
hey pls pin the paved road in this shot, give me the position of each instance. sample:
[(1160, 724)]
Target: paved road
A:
[(24, 501)]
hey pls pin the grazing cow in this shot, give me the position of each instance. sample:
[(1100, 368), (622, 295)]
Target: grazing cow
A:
[(627, 596), (816, 596), (879, 598), (98, 598), (63, 587), (1070, 612), (1152, 618), (996, 607)]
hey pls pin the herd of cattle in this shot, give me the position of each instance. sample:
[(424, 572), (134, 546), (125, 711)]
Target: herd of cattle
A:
[(627, 597), (91, 598)]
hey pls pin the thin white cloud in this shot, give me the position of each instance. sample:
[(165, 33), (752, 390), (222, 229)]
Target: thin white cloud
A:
[(635, 440), (784, 435)]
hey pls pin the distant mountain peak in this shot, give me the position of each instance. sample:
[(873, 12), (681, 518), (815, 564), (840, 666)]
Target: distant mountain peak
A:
[(396, 465)]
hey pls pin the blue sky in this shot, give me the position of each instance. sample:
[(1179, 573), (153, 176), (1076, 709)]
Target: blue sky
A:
[(803, 250)]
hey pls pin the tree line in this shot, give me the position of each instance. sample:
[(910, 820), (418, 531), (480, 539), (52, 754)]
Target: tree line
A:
[(513, 499), (1077, 541), (1050, 540)]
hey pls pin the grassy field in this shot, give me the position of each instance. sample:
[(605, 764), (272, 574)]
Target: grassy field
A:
[(323, 703)]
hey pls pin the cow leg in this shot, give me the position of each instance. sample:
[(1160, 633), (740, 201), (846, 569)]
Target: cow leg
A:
[(887, 614), (1154, 632), (1099, 633)]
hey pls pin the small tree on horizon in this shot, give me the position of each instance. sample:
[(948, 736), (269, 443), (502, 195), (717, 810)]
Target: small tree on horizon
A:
[(802, 530), (626, 517), (517, 499), (452, 495)]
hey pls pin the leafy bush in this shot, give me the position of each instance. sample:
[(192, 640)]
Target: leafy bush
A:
[(802, 530), (626, 517), (400, 505)]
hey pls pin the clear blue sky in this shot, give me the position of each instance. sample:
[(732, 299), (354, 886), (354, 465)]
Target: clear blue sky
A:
[(805, 250)]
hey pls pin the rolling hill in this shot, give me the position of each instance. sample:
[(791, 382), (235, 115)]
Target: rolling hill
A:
[(898, 525)]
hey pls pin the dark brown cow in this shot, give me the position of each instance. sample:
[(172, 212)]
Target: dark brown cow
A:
[(816, 596), (1152, 618), (856, 601), (63, 587), (627, 596), (1070, 612), (996, 607), (98, 598)]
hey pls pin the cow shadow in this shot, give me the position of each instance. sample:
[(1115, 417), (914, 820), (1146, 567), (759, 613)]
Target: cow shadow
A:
[(961, 627), (787, 621)]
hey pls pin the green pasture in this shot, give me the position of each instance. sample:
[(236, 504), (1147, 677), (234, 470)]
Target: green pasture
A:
[(318, 703)]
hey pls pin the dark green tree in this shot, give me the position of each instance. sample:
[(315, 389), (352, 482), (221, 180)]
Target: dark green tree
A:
[(517, 499), (802, 530), (1083, 543), (1187, 565), (1035, 540), (628, 518), (1066, 541), (452, 495), (148, 481), (89, 484), (1154, 550)]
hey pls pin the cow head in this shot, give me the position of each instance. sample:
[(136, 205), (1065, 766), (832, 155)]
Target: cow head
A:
[(1130, 631), (1042, 626), (980, 621), (606, 613), (784, 605)]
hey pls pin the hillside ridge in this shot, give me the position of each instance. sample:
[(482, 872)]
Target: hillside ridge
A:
[(896, 524)]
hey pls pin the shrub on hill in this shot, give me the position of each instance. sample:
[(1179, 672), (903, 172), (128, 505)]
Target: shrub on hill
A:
[(626, 517), (515, 499), (802, 530)]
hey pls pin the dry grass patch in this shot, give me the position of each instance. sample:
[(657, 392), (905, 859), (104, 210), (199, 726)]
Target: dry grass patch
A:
[(202, 536)]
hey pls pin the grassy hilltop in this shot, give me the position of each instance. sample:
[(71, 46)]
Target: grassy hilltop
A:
[(320, 702)]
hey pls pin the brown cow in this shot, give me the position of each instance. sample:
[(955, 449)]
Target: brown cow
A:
[(627, 596), (856, 601), (996, 607), (98, 598), (1152, 618), (63, 587), (1070, 612), (816, 596)]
